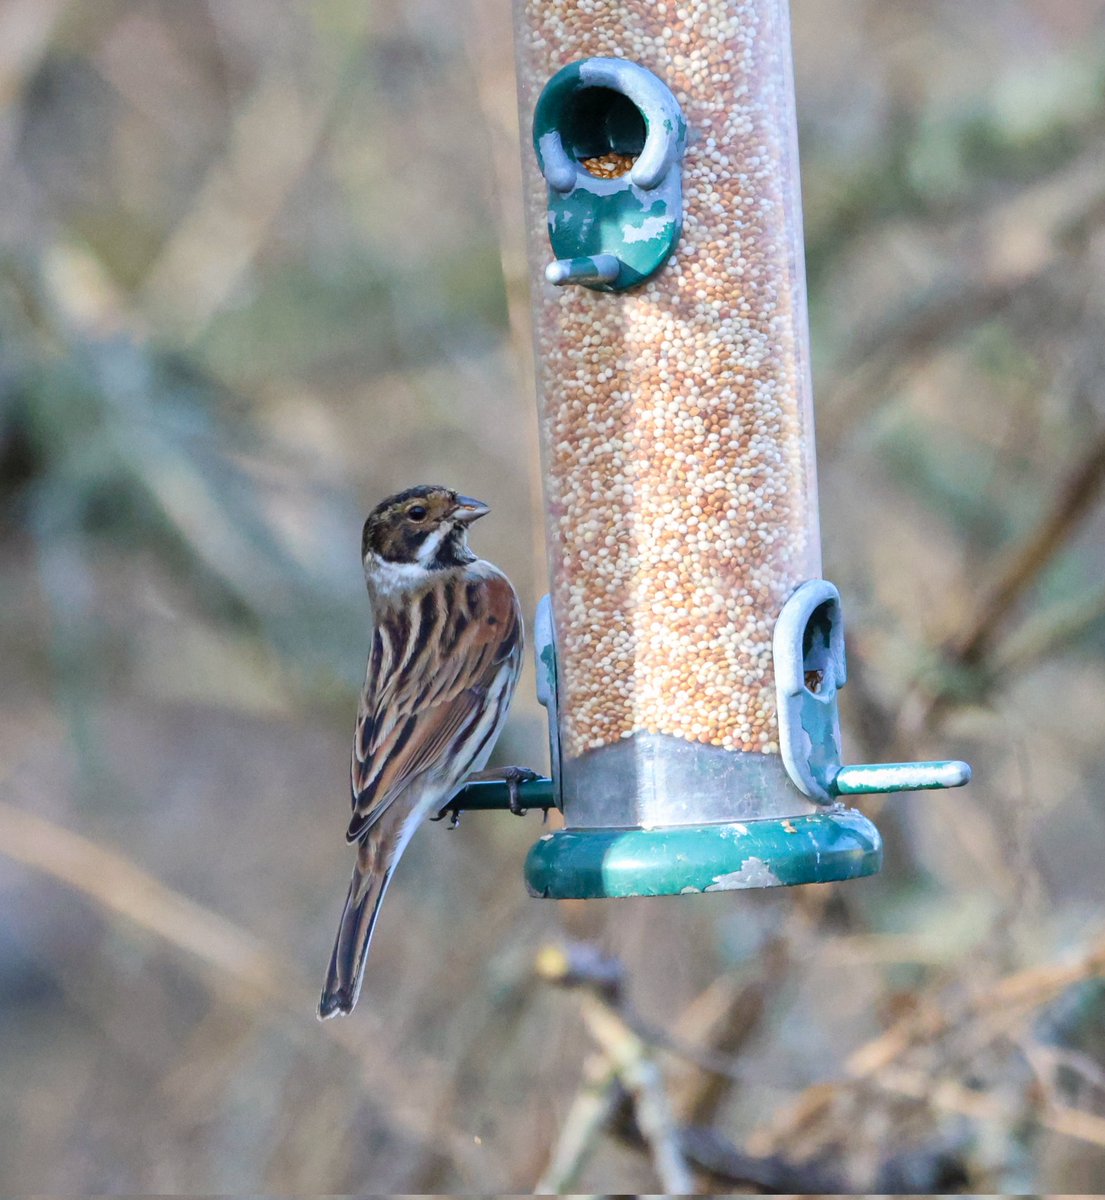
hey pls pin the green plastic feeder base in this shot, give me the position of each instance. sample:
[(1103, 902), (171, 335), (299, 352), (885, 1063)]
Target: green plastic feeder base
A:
[(586, 864)]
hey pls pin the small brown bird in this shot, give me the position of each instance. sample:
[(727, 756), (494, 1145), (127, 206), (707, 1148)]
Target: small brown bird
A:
[(446, 652)]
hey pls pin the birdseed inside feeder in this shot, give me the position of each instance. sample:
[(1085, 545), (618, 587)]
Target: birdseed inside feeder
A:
[(690, 653)]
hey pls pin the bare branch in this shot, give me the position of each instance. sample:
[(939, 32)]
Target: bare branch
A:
[(1022, 566), (588, 1116), (631, 1066), (877, 1061)]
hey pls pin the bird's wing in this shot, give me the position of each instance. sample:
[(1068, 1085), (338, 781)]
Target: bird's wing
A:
[(433, 662)]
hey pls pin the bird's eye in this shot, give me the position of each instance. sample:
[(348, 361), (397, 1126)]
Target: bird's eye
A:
[(417, 513)]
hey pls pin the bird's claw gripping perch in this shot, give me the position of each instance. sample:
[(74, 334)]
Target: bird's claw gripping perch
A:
[(514, 777), (484, 790)]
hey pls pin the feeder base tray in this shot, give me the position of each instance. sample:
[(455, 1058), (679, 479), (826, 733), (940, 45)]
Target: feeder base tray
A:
[(586, 864)]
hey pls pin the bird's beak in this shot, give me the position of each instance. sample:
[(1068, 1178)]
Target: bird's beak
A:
[(469, 510)]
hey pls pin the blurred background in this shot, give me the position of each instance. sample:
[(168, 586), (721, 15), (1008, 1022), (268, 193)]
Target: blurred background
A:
[(261, 264)]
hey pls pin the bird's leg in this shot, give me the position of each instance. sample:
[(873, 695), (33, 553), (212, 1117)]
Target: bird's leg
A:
[(513, 777)]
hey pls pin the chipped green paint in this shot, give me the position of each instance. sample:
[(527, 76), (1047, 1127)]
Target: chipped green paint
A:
[(819, 715), (547, 658), (863, 779), (825, 847), (821, 727), (600, 106), (548, 116), (638, 230)]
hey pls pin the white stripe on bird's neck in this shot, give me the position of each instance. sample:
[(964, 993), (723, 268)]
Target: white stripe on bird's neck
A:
[(387, 578), (427, 552)]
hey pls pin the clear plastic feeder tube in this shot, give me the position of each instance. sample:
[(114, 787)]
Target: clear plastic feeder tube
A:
[(676, 425)]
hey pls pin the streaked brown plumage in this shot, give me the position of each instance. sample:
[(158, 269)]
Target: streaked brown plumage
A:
[(445, 655)]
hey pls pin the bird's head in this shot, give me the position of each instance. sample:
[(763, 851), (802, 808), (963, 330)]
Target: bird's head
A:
[(425, 526)]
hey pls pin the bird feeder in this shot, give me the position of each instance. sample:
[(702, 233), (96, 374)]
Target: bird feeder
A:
[(690, 654)]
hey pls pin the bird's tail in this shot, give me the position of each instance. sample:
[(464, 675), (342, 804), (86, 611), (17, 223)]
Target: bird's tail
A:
[(358, 919)]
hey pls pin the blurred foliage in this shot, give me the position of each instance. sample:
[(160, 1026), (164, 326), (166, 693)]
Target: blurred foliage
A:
[(260, 265)]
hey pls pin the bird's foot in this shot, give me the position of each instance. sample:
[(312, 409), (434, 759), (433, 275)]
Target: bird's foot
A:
[(452, 812), (513, 777)]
